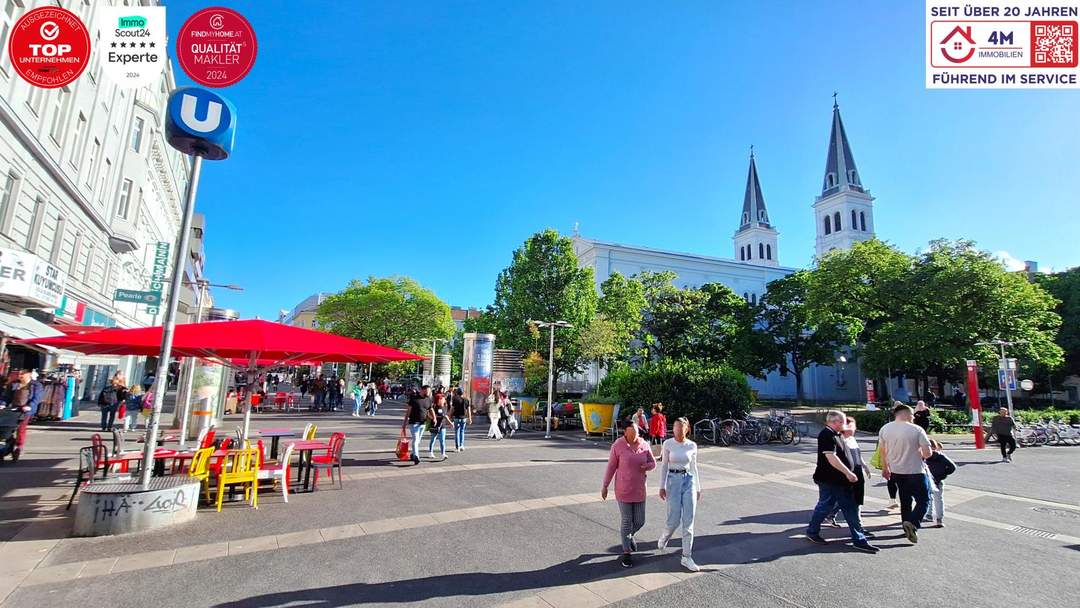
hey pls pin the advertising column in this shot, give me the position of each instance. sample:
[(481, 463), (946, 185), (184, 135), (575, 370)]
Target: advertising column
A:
[(479, 349)]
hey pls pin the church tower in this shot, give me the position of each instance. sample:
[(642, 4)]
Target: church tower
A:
[(755, 240), (844, 213)]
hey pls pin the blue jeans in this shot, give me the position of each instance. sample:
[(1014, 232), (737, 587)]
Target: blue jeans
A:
[(441, 436), (681, 505), (108, 416), (357, 401), (459, 432), (417, 432), (830, 496), (372, 407), (913, 487)]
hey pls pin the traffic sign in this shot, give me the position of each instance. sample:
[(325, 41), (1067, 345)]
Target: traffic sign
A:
[(138, 297), (1007, 379), (200, 123)]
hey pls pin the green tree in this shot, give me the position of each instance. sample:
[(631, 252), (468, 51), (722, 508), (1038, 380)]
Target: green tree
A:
[(544, 283), (394, 311), (1065, 286), (600, 342), (622, 302), (791, 342)]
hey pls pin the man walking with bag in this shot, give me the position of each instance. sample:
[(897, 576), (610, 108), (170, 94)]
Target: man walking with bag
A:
[(904, 448), (836, 481)]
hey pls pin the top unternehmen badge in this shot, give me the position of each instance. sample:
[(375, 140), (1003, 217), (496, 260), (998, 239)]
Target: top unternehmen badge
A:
[(132, 44), (216, 47), (49, 47)]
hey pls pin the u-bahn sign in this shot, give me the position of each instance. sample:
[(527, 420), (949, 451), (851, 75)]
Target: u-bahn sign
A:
[(200, 123)]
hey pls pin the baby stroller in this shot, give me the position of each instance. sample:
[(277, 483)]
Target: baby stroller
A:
[(9, 431)]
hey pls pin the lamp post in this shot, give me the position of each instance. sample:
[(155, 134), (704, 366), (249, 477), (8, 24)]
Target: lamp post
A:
[(1003, 363), (183, 394), (434, 347), (551, 366)]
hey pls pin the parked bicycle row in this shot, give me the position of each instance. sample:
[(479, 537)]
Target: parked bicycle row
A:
[(777, 426)]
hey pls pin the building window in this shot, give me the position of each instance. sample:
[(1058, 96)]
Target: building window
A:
[(136, 133), (761, 216), (88, 271), (836, 221), (95, 62), (746, 296), (3, 36), (56, 131), (753, 299), (742, 253), (75, 247), (768, 252), (830, 180), (853, 222), (95, 150), (58, 240), (36, 218), (745, 218), (862, 221), (760, 251), (853, 178), (125, 199), (8, 195), (828, 225), (76, 142), (103, 182), (37, 95), (9, 7)]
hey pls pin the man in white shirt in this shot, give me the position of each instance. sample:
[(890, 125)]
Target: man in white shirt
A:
[(904, 447)]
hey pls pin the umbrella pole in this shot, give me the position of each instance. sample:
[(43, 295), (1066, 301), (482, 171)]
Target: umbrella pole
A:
[(252, 374), (161, 378)]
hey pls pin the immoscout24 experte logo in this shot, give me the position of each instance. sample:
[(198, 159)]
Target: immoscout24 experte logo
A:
[(132, 44)]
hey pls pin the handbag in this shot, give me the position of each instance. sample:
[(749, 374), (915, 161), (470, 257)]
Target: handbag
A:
[(403, 446), (875, 459)]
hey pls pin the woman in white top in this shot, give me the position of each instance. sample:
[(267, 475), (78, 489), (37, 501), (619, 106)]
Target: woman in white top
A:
[(680, 486), (492, 403)]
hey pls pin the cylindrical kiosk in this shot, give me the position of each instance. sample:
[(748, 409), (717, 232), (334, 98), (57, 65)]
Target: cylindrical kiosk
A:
[(479, 350)]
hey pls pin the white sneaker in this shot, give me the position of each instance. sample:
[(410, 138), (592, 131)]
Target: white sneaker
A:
[(432, 455), (688, 563), (661, 543)]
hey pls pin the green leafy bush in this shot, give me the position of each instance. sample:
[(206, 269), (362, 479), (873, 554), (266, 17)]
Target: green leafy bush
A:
[(871, 421), (686, 388)]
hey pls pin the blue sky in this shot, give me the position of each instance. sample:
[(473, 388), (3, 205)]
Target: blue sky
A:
[(430, 139)]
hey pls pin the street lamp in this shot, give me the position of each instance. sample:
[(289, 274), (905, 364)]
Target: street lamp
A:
[(551, 366), (183, 396), (1003, 363), (434, 346)]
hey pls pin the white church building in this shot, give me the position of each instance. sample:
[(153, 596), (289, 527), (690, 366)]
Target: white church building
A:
[(843, 214)]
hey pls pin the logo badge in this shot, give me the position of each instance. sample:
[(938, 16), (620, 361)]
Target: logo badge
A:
[(49, 47), (216, 47), (133, 44), (200, 123)]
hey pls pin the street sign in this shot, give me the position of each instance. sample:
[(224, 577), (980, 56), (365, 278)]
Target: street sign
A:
[(138, 297), (1007, 379)]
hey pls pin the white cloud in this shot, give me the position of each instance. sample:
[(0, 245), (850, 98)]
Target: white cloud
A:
[(1012, 263), (1009, 261)]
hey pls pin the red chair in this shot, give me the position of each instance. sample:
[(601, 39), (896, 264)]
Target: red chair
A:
[(208, 439), (215, 467), (279, 400), (331, 459), (101, 454)]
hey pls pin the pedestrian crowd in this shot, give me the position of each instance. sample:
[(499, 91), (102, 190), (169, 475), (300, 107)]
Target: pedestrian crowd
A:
[(438, 412)]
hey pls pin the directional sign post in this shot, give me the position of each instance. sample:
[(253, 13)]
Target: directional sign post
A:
[(138, 297)]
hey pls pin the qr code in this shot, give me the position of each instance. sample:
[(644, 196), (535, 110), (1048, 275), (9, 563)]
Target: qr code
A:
[(1054, 44)]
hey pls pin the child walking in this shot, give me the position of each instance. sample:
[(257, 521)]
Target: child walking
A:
[(940, 467)]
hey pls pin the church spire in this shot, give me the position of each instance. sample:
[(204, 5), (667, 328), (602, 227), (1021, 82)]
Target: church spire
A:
[(840, 171), (753, 211)]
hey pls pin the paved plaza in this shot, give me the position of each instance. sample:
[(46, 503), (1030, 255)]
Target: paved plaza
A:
[(520, 523)]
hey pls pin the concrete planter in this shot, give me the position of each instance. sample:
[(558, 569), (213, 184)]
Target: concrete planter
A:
[(596, 418), (107, 508)]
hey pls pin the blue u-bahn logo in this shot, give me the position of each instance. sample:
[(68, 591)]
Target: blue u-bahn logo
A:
[(200, 123)]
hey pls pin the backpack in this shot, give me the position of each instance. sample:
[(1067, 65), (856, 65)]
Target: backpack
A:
[(108, 396)]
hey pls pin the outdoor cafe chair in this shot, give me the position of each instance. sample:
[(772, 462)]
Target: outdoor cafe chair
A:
[(331, 459), (200, 469), (309, 431), (280, 400), (207, 440), (218, 466), (278, 471), (91, 458), (103, 455), (241, 467)]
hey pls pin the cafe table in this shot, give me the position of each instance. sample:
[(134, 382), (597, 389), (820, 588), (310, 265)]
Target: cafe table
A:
[(160, 456), (304, 465), (275, 435)]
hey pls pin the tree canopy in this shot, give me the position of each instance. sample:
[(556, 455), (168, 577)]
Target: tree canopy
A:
[(395, 311)]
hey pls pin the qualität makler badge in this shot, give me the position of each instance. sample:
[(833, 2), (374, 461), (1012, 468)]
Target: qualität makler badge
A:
[(216, 47), (133, 44)]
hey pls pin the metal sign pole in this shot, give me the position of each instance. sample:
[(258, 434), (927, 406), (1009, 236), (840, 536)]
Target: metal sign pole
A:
[(161, 378), (183, 397)]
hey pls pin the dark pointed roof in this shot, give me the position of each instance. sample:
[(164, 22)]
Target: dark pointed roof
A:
[(753, 207), (840, 171)]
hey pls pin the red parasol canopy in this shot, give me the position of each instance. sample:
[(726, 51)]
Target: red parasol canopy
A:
[(262, 340)]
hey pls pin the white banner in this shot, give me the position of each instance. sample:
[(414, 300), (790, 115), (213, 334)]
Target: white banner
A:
[(29, 280), (133, 44)]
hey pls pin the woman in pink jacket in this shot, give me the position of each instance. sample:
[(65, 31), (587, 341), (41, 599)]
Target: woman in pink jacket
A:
[(630, 460)]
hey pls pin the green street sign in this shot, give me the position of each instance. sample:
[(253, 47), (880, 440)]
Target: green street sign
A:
[(138, 297)]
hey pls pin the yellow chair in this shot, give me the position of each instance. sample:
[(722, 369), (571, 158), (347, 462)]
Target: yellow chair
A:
[(309, 432), (200, 470), (242, 466)]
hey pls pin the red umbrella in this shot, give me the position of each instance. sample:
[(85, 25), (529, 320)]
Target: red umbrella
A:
[(247, 340), (251, 341)]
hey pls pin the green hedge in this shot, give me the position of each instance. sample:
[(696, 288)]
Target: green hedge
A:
[(686, 388), (945, 420)]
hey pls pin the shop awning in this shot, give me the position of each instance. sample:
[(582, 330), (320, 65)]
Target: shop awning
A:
[(22, 327)]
